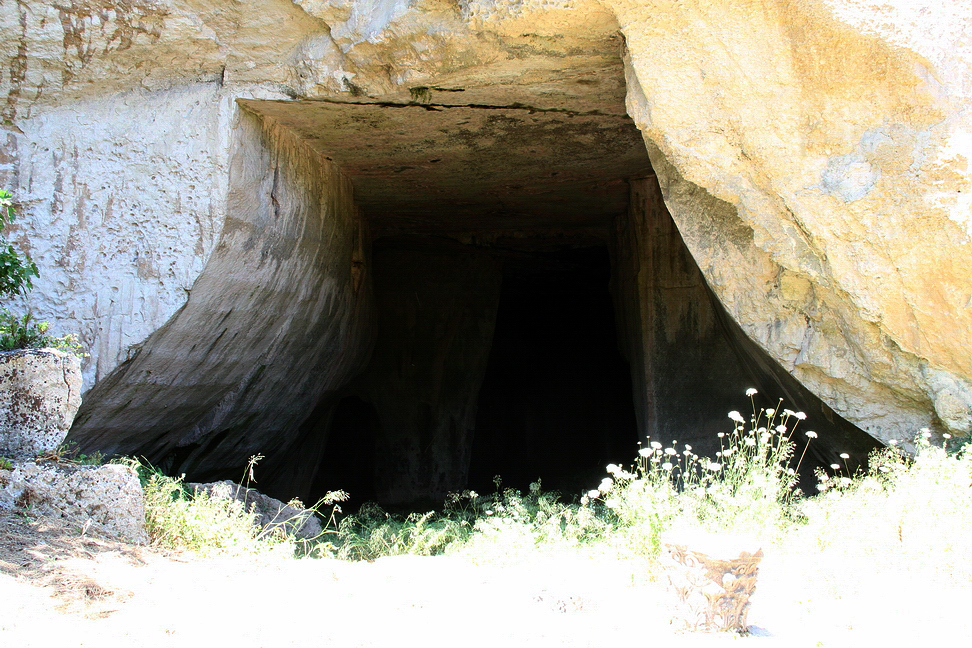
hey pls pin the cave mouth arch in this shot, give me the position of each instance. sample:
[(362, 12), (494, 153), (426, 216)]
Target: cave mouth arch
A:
[(364, 259)]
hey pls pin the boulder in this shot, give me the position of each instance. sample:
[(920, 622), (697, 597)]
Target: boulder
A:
[(105, 499), (40, 392)]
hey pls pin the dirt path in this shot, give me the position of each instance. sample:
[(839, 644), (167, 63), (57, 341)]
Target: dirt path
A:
[(59, 588)]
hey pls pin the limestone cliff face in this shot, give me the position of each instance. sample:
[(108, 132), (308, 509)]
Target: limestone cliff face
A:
[(277, 317), (813, 155)]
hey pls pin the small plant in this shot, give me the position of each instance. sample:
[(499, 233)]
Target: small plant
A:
[(6, 463), (25, 332), (16, 331), (16, 269), (750, 485), (372, 532), (178, 519), (67, 453)]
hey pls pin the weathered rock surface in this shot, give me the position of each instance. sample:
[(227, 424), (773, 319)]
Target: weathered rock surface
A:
[(271, 513), (813, 156), (107, 499), (40, 392)]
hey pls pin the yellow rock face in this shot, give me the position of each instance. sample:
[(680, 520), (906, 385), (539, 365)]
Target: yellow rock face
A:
[(829, 140)]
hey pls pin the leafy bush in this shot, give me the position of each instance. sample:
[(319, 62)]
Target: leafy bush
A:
[(22, 332), (15, 269), (25, 332)]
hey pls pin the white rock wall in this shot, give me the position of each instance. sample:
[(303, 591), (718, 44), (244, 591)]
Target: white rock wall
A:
[(123, 200)]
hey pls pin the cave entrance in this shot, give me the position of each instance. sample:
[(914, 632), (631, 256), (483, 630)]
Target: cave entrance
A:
[(497, 347), (556, 400)]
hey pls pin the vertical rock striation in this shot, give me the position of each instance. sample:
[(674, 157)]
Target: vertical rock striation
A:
[(276, 318)]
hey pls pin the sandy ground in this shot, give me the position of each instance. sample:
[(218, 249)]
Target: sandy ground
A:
[(58, 588)]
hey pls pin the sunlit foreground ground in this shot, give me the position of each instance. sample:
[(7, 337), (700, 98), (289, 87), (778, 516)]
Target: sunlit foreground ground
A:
[(881, 559), (831, 598)]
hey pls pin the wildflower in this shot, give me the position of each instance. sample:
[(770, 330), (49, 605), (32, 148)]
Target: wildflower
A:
[(835, 466), (728, 451), (811, 434), (667, 466), (925, 433), (688, 447), (844, 455), (670, 451), (800, 415), (946, 436), (789, 412), (751, 392), (473, 494), (790, 471), (736, 416), (781, 429), (893, 442), (612, 503), (585, 501), (593, 493), (714, 467), (770, 411), (750, 441), (845, 481), (645, 452), (721, 434), (656, 445), (606, 484), (687, 453), (614, 469)]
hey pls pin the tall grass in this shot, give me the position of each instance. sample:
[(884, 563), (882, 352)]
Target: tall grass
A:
[(916, 506), (205, 524)]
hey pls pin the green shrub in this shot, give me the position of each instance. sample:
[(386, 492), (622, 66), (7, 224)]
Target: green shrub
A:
[(26, 333), (22, 332), (372, 533), (16, 269)]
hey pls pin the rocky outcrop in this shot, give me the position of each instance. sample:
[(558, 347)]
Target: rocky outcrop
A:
[(813, 156), (104, 499), (40, 392)]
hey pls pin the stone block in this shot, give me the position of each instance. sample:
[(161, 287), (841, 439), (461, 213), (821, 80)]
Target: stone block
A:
[(105, 499), (40, 392)]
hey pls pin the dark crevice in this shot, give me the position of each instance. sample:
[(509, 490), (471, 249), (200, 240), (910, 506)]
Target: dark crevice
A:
[(444, 106)]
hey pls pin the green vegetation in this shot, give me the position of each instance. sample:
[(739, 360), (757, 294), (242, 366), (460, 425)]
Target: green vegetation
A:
[(179, 519), (16, 270), (914, 507)]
